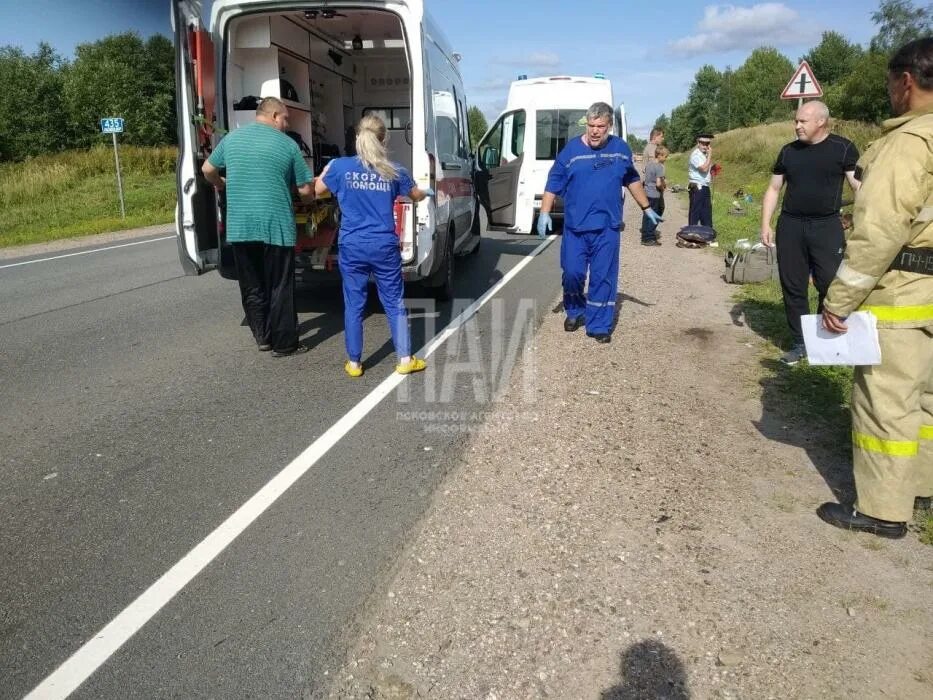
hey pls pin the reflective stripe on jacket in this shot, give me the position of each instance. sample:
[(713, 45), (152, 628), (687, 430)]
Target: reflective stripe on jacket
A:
[(893, 209)]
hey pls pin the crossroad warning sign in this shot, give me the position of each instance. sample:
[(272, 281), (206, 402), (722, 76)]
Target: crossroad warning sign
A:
[(803, 84)]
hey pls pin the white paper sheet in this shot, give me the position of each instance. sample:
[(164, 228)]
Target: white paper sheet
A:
[(858, 346)]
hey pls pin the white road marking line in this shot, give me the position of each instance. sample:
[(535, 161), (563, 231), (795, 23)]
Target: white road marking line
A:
[(86, 252), (95, 652)]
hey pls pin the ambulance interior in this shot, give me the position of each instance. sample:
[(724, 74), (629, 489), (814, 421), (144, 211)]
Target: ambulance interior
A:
[(330, 67)]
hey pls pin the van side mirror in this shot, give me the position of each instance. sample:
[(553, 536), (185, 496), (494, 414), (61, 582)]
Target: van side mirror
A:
[(489, 157)]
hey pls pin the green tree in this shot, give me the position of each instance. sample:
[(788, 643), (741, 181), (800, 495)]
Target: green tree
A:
[(833, 59), (121, 76), (722, 120), (680, 136), (703, 100), (636, 144), (863, 95), (900, 21), (478, 125), (663, 123), (757, 87), (32, 117)]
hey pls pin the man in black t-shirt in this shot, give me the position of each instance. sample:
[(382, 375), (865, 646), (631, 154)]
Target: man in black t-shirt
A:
[(810, 239)]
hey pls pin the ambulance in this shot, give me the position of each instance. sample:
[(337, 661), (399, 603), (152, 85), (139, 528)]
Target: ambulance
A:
[(514, 156), (331, 63)]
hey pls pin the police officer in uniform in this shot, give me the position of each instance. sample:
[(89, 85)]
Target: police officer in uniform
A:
[(888, 270), (700, 182), (589, 173)]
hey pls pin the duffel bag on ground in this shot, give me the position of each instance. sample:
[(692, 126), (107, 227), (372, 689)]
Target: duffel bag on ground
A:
[(750, 263)]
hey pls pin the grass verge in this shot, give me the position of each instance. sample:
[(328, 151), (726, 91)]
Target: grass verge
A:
[(75, 193)]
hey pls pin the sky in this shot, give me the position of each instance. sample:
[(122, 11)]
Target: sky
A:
[(649, 50)]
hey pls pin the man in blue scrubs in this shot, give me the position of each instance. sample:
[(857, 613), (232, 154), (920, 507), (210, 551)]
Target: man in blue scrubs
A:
[(589, 173)]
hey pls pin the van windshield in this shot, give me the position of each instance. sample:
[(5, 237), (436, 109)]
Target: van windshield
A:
[(554, 128)]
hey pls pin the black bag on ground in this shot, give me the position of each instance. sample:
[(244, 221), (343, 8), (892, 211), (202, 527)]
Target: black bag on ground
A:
[(695, 236)]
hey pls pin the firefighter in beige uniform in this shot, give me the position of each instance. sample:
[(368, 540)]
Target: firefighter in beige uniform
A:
[(888, 270)]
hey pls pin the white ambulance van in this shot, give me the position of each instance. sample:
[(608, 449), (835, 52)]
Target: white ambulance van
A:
[(514, 156), (330, 63)]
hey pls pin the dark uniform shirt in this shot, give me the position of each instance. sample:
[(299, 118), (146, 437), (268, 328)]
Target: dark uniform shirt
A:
[(814, 174)]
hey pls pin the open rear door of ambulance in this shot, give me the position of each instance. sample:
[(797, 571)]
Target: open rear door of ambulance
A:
[(196, 220)]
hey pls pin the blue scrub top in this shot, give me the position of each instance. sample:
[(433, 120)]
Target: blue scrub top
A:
[(590, 180), (366, 198)]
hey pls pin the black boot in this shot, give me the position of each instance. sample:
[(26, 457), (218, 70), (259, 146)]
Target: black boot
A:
[(847, 518), (572, 324)]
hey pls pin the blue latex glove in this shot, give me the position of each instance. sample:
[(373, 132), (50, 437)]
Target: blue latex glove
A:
[(653, 216), (544, 224), (428, 192)]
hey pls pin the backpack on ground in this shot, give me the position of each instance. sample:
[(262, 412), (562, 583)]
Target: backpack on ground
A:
[(750, 263)]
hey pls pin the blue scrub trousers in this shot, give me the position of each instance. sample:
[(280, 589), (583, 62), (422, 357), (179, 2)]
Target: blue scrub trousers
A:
[(598, 253), (360, 255)]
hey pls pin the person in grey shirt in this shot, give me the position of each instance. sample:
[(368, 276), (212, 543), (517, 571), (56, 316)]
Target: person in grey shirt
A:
[(655, 139), (655, 184)]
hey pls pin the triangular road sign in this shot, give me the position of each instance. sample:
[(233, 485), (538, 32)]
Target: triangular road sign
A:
[(803, 84)]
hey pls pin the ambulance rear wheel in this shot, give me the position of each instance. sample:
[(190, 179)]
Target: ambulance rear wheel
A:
[(480, 224), (441, 284)]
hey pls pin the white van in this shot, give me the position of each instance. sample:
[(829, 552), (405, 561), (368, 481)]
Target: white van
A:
[(514, 156), (331, 63)]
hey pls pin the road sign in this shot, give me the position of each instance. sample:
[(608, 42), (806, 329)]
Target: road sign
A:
[(114, 126), (802, 85), (111, 125)]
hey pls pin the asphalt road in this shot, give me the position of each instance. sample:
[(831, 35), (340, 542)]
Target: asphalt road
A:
[(136, 415)]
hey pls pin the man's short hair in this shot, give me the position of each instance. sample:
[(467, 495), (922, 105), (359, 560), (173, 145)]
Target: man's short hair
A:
[(270, 105), (655, 131), (599, 110), (704, 138), (916, 58)]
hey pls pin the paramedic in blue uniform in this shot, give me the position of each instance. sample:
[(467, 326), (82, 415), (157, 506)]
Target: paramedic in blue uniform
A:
[(589, 173), (366, 186)]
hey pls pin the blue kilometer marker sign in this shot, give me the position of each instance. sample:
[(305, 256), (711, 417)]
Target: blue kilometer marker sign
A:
[(111, 125)]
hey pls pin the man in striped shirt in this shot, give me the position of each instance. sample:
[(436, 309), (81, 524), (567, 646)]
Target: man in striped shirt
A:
[(262, 165)]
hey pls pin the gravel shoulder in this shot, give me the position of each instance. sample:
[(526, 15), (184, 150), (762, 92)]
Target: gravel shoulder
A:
[(650, 535)]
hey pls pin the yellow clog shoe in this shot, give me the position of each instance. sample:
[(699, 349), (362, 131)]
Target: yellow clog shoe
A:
[(415, 364)]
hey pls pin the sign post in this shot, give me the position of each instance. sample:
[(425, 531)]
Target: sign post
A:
[(803, 84), (114, 126)]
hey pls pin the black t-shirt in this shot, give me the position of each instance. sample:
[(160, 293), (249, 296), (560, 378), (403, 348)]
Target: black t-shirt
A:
[(814, 175)]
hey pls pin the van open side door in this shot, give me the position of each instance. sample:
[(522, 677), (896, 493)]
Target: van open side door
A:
[(499, 159), (196, 214)]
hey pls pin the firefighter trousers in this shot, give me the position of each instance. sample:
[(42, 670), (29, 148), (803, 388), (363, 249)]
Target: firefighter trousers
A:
[(892, 425)]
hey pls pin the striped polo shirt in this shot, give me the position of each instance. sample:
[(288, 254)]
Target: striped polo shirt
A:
[(262, 165)]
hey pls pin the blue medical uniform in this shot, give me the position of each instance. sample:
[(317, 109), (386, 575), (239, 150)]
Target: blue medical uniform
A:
[(368, 245), (589, 180)]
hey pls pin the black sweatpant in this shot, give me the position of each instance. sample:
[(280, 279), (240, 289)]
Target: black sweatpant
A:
[(701, 206), (266, 274), (805, 248)]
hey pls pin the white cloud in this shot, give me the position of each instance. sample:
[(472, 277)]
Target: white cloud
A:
[(536, 59), (727, 27)]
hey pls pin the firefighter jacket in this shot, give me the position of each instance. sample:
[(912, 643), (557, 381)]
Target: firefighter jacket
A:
[(893, 219)]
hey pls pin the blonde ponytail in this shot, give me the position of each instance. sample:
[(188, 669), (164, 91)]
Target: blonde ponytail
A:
[(371, 146)]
